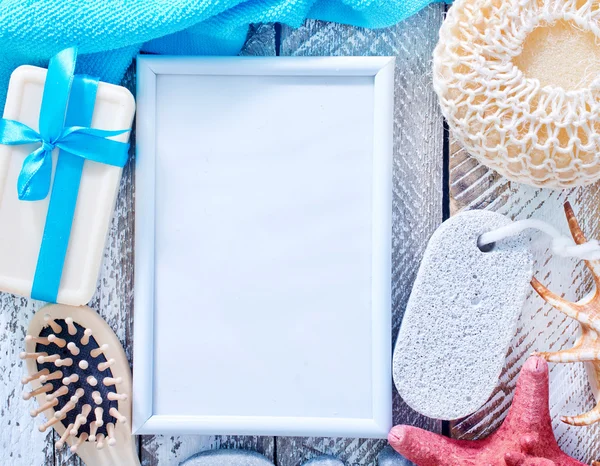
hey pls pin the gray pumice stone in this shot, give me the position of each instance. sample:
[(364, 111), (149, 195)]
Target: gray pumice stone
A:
[(227, 458), (460, 317), (390, 457)]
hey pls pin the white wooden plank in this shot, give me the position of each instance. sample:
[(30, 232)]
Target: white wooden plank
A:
[(540, 327), (171, 450), (20, 441), (418, 167)]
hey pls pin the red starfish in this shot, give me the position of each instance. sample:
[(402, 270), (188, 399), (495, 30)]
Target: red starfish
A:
[(524, 439)]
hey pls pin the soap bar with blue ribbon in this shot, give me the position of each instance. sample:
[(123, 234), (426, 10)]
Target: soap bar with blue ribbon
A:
[(63, 143)]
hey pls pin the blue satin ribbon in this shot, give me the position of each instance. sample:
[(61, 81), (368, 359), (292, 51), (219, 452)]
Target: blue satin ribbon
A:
[(65, 116)]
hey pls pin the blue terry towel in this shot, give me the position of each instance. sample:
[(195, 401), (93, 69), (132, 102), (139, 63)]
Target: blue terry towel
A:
[(111, 32)]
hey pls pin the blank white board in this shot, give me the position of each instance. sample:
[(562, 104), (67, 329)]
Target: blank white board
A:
[(263, 246)]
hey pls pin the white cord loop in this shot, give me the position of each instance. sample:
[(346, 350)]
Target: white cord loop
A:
[(562, 245)]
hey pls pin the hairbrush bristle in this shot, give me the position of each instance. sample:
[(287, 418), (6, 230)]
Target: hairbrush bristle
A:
[(36, 376), (62, 391), (72, 347), (77, 383), (38, 391), (71, 328), (50, 321), (85, 339), (25, 355), (100, 441)]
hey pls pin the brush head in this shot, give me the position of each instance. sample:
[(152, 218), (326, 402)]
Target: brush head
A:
[(75, 376)]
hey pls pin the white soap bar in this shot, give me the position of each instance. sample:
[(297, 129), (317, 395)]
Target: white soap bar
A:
[(22, 222), (460, 317)]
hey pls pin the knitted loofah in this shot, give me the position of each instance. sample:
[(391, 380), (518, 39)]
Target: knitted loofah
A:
[(519, 83)]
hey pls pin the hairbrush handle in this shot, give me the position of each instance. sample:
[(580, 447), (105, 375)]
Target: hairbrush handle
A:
[(122, 454), (81, 379)]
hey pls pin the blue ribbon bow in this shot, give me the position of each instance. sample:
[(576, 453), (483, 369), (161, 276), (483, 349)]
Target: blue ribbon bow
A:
[(91, 144), (65, 116)]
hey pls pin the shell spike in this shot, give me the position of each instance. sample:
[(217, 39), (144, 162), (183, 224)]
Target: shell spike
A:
[(574, 227), (571, 355), (586, 419), (572, 310), (580, 238)]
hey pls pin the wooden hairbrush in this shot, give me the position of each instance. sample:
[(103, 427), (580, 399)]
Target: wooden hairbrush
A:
[(81, 379)]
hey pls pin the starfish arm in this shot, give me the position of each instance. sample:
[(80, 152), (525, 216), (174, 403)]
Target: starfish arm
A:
[(539, 462), (570, 355), (529, 412), (572, 310), (426, 448), (586, 419), (519, 459)]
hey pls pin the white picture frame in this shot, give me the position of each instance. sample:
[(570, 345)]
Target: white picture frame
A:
[(263, 246)]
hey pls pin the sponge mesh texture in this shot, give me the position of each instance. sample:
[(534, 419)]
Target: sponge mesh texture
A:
[(541, 135)]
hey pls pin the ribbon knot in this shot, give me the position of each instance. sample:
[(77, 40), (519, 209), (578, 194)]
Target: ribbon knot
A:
[(48, 147)]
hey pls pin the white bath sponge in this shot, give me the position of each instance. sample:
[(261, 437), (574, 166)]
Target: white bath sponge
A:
[(519, 83), (460, 317)]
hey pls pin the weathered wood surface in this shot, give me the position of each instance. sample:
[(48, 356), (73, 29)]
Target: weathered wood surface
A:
[(418, 207), (418, 169), (417, 212), (473, 186)]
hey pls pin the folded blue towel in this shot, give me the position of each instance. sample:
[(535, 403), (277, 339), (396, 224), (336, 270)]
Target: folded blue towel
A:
[(111, 32)]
